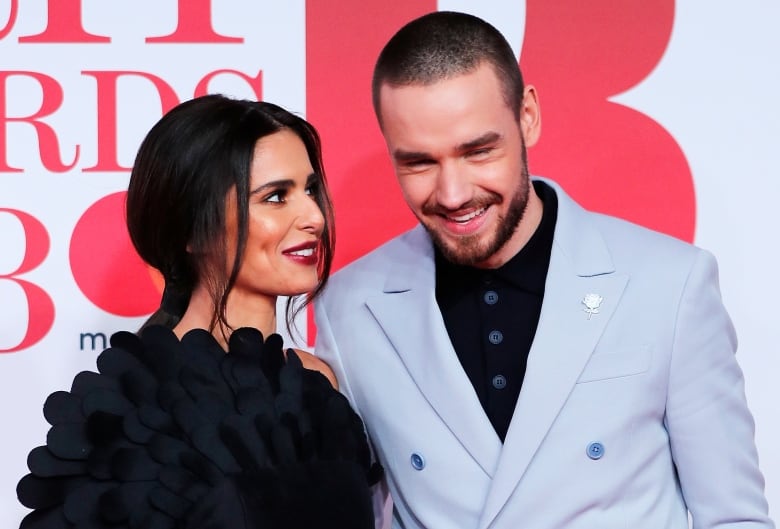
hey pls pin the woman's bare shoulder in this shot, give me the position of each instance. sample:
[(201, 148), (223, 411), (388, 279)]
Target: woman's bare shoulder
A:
[(310, 361)]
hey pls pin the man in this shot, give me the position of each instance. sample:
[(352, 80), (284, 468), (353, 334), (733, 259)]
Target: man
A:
[(518, 361)]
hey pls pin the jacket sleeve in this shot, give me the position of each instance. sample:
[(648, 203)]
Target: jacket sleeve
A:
[(326, 348), (710, 427)]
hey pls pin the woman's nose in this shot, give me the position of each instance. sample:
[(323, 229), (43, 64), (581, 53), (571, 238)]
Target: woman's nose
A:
[(310, 217)]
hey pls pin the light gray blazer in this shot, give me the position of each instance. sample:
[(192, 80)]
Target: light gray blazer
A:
[(628, 416)]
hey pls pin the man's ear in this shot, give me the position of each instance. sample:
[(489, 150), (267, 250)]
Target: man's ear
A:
[(530, 116)]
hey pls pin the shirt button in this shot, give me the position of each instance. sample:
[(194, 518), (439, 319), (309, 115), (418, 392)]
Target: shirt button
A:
[(499, 381), (595, 451), (495, 337), (418, 462), (487, 279), (490, 297)]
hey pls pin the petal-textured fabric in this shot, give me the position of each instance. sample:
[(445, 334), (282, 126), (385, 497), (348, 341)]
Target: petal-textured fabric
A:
[(179, 434)]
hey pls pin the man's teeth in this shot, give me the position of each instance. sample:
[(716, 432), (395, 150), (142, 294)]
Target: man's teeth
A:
[(303, 253), (468, 217)]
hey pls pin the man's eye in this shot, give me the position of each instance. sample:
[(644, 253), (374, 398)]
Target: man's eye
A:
[(480, 152), (422, 162)]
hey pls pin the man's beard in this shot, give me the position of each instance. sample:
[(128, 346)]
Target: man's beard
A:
[(467, 250)]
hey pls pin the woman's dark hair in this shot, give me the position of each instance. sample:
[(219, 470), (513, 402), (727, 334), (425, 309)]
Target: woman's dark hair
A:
[(188, 163)]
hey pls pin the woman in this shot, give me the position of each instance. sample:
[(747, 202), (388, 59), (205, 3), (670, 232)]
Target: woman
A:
[(227, 200)]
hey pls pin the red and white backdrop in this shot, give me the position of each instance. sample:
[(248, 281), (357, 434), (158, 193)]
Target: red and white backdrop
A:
[(663, 113)]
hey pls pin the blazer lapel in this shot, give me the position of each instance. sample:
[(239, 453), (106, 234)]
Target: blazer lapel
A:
[(420, 338), (565, 339)]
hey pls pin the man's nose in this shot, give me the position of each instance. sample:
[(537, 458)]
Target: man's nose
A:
[(453, 186)]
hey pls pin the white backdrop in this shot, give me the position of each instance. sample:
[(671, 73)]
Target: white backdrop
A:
[(72, 116)]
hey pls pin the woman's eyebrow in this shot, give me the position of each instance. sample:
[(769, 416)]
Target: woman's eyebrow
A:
[(274, 184)]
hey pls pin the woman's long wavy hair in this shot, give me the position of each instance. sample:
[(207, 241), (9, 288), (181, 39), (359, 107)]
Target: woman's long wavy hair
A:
[(185, 167)]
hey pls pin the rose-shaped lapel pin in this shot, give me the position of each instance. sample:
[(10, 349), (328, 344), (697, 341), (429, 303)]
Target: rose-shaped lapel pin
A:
[(592, 303)]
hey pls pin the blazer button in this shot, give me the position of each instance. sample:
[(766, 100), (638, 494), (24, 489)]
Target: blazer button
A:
[(595, 451), (418, 462)]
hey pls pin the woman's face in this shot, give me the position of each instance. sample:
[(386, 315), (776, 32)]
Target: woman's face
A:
[(285, 223)]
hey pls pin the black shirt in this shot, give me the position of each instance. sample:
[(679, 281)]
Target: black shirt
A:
[(491, 315)]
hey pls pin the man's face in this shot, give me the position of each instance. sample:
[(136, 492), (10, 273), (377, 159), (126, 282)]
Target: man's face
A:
[(459, 155)]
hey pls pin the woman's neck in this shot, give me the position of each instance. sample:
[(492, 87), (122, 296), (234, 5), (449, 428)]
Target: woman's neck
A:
[(242, 310)]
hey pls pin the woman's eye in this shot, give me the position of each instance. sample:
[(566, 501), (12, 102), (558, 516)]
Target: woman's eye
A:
[(276, 196)]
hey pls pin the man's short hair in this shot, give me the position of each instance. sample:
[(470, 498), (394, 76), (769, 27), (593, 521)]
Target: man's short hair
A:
[(442, 45)]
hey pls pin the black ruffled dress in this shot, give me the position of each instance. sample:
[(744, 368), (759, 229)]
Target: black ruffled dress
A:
[(178, 434)]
